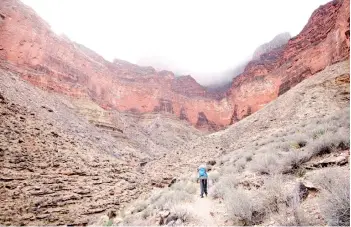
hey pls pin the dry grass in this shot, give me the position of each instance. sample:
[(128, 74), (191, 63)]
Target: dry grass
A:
[(294, 159), (330, 141), (265, 163), (161, 199), (335, 196), (226, 184), (186, 186), (180, 212), (282, 204), (243, 208), (278, 157)]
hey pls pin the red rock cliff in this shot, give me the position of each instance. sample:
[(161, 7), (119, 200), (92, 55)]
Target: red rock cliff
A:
[(53, 62), (28, 46), (322, 42)]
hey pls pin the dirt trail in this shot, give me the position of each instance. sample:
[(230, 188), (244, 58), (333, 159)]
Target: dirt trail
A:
[(202, 208), (206, 211)]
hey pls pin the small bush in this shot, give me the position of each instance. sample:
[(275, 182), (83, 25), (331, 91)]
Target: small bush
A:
[(283, 146), (294, 159), (190, 188), (240, 165), (330, 141), (139, 206), (335, 196), (216, 192), (146, 213), (171, 197), (299, 140), (187, 186), (181, 213), (214, 176), (227, 183), (274, 193), (283, 204), (265, 164), (242, 208)]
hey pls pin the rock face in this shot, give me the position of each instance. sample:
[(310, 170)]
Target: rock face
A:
[(277, 41), (55, 63), (64, 161), (29, 47), (322, 42), (51, 176)]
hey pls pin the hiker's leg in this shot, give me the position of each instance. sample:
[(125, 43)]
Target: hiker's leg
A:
[(201, 187), (205, 186)]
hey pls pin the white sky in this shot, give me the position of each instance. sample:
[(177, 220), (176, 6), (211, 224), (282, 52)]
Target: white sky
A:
[(198, 37)]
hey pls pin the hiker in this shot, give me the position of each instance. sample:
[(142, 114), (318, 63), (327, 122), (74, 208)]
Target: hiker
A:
[(203, 179)]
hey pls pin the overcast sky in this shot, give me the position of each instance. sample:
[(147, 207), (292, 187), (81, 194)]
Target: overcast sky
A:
[(197, 37)]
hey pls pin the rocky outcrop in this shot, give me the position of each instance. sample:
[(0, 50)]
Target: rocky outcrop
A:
[(187, 86), (28, 46)]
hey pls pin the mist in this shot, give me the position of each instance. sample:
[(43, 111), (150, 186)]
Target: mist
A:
[(207, 79), (209, 40)]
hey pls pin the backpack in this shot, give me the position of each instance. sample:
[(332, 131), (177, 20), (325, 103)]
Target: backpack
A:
[(202, 172)]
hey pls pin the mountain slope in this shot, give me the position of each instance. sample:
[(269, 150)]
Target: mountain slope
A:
[(313, 99), (286, 164), (55, 63), (66, 160)]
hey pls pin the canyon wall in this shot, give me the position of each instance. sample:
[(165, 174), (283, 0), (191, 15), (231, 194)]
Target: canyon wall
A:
[(29, 47), (323, 41)]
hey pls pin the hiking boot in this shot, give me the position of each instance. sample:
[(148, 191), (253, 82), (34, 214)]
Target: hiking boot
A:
[(201, 196)]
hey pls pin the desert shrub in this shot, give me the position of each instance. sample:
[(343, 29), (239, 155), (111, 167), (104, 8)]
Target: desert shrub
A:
[(180, 212), (283, 204), (274, 193), (240, 164), (190, 188), (330, 141), (318, 131), (139, 206), (193, 178), (298, 141), (242, 208), (315, 132), (146, 213), (283, 146), (227, 183), (187, 186), (171, 197), (265, 163), (155, 195), (215, 191), (335, 195), (294, 159), (214, 176)]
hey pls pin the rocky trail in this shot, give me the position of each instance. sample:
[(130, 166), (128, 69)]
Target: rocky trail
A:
[(205, 210)]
